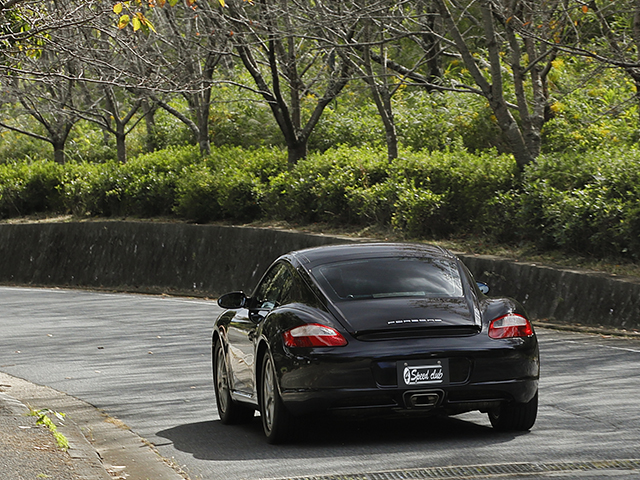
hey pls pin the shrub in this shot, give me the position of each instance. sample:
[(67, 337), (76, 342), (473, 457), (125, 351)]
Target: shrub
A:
[(144, 186), (205, 195), (197, 196), (227, 185), (30, 187), (465, 184), (151, 179), (586, 205), (373, 204), (418, 212), (93, 189), (318, 187)]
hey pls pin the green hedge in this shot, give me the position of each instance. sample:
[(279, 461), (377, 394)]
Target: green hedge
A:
[(28, 188), (586, 204)]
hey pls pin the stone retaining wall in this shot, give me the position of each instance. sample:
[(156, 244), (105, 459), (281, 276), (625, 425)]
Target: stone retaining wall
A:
[(562, 295), (208, 260)]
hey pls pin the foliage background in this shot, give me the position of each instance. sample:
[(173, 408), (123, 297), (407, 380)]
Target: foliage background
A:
[(587, 204), (452, 178)]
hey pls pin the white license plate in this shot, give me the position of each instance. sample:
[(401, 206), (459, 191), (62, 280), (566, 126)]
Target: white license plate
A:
[(423, 373)]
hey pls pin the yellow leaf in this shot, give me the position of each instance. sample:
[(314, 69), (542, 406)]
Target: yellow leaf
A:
[(117, 8), (222, 2), (124, 21), (149, 25), (136, 24)]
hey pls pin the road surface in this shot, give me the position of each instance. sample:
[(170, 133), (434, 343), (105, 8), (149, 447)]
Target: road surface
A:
[(146, 361)]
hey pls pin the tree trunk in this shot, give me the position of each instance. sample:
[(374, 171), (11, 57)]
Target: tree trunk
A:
[(296, 151), (381, 94), (382, 98), (278, 41), (120, 143), (432, 47), (58, 133), (203, 131), (392, 142), (58, 152), (386, 112), (151, 139)]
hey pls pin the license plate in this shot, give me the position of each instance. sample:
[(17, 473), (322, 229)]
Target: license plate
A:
[(423, 373)]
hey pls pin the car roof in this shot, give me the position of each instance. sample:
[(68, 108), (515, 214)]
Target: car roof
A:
[(312, 257)]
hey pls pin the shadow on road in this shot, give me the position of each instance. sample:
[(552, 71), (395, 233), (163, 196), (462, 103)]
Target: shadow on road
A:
[(211, 440)]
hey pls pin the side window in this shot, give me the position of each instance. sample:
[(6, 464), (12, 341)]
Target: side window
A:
[(300, 292), (274, 288)]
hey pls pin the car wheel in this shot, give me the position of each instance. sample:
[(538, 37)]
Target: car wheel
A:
[(277, 422), (230, 411), (515, 416)]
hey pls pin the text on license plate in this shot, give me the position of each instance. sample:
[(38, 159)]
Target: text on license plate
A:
[(425, 372)]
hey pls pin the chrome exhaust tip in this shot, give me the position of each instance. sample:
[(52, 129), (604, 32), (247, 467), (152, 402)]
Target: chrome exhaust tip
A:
[(423, 399)]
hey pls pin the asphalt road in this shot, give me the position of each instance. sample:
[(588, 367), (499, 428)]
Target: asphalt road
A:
[(146, 360)]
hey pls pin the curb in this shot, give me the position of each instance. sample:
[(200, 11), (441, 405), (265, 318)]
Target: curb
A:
[(86, 462), (101, 447)]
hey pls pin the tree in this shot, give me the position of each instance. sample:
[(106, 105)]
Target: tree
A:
[(114, 77), (608, 32), (369, 48), (24, 19), (35, 76), (381, 89), (193, 46), (509, 41), (51, 104), (507, 48), (295, 69)]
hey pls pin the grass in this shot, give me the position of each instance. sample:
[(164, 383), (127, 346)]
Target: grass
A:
[(43, 419)]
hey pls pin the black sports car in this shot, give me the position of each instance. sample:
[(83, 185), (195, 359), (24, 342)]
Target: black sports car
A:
[(378, 327)]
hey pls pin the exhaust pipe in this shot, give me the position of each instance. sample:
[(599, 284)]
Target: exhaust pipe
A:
[(423, 400)]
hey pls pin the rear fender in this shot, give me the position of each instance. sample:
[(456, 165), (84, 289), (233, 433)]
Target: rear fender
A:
[(493, 308)]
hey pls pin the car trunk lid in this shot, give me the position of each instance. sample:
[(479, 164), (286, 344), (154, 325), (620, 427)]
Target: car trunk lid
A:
[(399, 317)]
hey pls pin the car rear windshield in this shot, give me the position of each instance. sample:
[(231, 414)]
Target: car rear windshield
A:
[(390, 277)]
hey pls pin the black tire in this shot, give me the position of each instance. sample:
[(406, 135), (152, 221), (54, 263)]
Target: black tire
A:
[(277, 422), (230, 411), (515, 417)]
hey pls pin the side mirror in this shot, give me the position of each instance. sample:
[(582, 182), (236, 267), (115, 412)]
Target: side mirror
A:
[(484, 288), (233, 300)]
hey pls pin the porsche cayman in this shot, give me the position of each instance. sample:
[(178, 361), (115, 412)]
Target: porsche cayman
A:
[(372, 327)]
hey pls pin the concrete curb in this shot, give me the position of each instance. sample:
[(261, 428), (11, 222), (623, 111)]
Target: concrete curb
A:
[(16, 407), (86, 462), (101, 447)]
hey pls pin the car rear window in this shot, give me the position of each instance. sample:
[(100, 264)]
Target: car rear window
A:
[(389, 277)]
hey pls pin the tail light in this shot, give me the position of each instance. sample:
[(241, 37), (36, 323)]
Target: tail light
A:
[(510, 326), (313, 335)]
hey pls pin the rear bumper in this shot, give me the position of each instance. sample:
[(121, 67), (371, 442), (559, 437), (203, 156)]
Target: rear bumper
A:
[(480, 379), (449, 399)]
